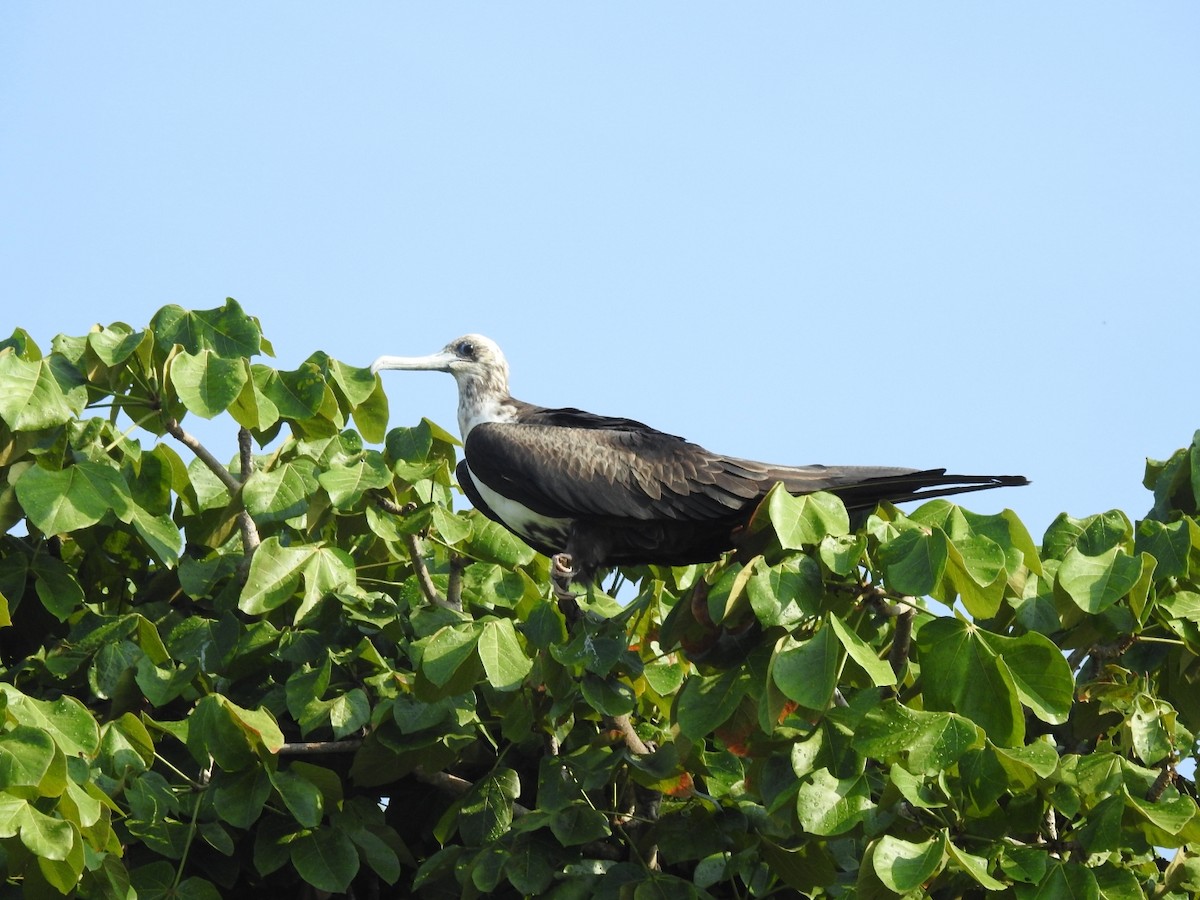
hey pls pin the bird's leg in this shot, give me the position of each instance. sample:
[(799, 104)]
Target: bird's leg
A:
[(561, 572)]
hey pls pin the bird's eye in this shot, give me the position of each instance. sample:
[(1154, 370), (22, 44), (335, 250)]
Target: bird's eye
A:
[(465, 349)]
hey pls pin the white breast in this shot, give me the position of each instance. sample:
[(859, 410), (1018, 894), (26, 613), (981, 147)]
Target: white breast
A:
[(524, 521)]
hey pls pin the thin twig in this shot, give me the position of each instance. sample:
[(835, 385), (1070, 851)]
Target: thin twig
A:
[(424, 581), (454, 587), (301, 747)]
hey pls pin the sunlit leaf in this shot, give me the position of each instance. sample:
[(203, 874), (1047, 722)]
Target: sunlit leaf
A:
[(905, 866), (274, 575), (828, 805), (38, 394), (63, 500), (914, 561), (861, 652), (1095, 583), (961, 674), (206, 383), (807, 671), (504, 662), (226, 330)]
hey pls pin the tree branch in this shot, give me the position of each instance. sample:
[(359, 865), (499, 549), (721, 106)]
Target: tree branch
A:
[(250, 536), (214, 465), (902, 642), (424, 581), (624, 725), (453, 784), (413, 543)]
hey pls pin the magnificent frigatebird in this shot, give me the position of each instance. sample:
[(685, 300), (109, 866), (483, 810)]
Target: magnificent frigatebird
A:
[(593, 491)]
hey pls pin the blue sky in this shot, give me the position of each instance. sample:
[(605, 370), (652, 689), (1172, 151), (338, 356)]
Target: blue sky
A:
[(922, 234)]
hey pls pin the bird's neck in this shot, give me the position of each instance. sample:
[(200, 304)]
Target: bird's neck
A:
[(482, 401)]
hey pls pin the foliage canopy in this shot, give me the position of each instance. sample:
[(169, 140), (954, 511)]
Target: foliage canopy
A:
[(304, 670)]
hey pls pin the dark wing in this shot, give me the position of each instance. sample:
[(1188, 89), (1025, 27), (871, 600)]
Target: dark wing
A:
[(571, 463), (624, 471)]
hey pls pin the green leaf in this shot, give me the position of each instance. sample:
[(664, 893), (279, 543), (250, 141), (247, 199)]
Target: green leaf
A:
[(231, 734), (56, 587), (959, 673), (1169, 545), (252, 408), (842, 553), (579, 824), (206, 383), (160, 533), (47, 836), (915, 560), (828, 805), (1095, 583), (72, 498), (301, 797), (905, 866), (26, 755), (453, 529), (38, 394), (115, 344), (226, 330), (486, 813), (371, 414), (447, 650), (297, 395), (326, 859), (786, 594), (707, 702), (931, 741), (1039, 671), (665, 677), (327, 571), (492, 542), (280, 494), (861, 652), (1170, 814), (799, 521), (346, 484), (239, 798), (504, 662), (349, 712), (807, 671), (975, 866), (607, 695), (1152, 727), (274, 575), (66, 720), (976, 570)]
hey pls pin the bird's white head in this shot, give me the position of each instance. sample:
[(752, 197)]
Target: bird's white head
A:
[(479, 368)]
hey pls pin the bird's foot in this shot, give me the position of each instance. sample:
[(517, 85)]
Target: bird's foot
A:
[(561, 572)]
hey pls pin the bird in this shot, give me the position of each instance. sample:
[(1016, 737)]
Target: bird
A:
[(593, 492)]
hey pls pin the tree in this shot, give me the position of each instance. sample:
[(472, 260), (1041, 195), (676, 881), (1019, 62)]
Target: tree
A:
[(305, 671)]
